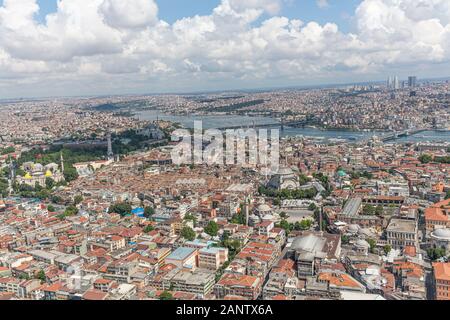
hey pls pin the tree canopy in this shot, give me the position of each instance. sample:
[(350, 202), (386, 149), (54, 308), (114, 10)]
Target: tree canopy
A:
[(188, 234), (121, 208), (212, 229)]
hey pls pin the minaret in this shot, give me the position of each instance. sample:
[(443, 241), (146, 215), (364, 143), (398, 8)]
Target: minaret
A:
[(12, 176), (321, 220), (246, 209), (110, 150), (62, 162)]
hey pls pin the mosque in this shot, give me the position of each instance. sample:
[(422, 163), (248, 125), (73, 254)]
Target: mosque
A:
[(36, 173), (284, 179)]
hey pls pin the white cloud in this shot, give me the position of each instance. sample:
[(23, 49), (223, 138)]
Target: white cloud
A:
[(118, 41), (269, 6), (129, 14), (322, 3)]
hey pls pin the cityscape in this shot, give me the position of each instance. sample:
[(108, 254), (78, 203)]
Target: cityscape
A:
[(338, 190)]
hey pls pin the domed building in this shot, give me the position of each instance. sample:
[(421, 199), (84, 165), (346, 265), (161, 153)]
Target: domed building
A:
[(353, 229), (285, 178), (36, 173), (441, 239), (263, 209), (362, 247), (253, 220)]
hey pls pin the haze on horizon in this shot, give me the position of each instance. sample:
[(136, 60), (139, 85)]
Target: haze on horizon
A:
[(100, 47)]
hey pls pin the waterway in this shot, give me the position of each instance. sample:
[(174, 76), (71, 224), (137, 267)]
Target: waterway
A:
[(224, 121)]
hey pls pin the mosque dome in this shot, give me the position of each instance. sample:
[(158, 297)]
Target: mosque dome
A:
[(353, 228), (38, 167), (268, 217), (285, 171), (285, 178), (28, 176), (441, 234), (362, 244), (263, 208), (48, 174)]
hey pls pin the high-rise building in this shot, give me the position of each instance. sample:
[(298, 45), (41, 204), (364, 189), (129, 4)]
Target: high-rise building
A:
[(412, 81), (396, 83), (393, 83), (390, 82)]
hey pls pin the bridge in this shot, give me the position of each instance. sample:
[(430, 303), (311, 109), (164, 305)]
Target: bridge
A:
[(397, 134), (282, 124)]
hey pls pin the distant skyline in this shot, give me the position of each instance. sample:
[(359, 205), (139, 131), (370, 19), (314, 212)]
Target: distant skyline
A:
[(103, 47)]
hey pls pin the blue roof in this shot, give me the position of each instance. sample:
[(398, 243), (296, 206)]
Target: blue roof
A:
[(342, 173), (138, 211), (181, 253)]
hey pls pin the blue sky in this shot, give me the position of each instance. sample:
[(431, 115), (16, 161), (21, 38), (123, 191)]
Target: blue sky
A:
[(338, 11), (112, 48)]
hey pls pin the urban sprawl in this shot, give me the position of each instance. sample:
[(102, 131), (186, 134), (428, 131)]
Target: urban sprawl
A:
[(93, 207)]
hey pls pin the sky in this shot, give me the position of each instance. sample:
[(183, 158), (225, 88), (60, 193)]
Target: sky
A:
[(97, 47), (338, 11)]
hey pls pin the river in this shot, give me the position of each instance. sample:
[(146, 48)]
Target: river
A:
[(223, 121)]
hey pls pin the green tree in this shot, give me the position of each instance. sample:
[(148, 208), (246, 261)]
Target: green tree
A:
[(122, 208), (436, 253), (149, 229), (24, 276), (41, 276), (425, 158), (70, 174), (149, 212), (56, 199), (239, 218), (369, 210), (305, 224), (285, 225), (51, 208), (303, 179), (387, 248), (77, 199), (212, 229), (372, 243), (70, 211), (188, 234), (7, 150), (165, 295), (190, 217), (379, 210), (345, 239), (49, 183)]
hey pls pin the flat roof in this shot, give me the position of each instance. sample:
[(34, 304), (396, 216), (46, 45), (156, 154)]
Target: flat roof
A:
[(352, 207), (401, 225), (181, 253)]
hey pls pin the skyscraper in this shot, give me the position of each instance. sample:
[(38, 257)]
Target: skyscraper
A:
[(412, 81), (390, 82), (396, 83)]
